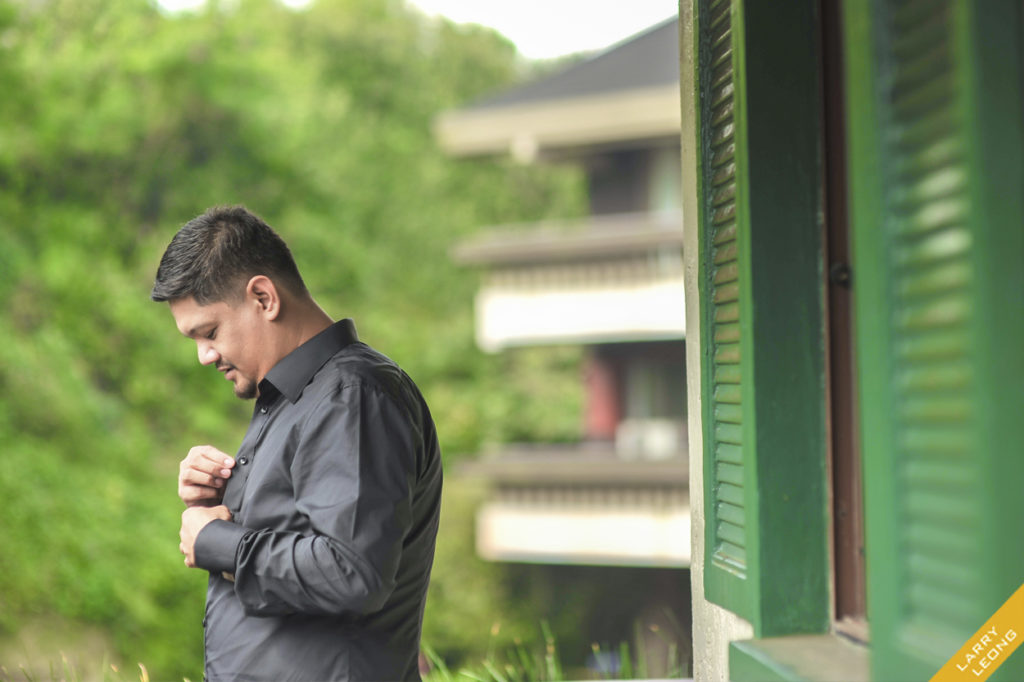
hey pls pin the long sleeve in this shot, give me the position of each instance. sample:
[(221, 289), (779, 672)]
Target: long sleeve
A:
[(352, 477)]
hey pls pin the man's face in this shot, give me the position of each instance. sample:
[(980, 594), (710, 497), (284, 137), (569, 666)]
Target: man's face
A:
[(228, 337)]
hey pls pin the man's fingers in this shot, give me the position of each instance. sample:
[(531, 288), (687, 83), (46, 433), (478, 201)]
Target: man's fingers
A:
[(198, 492), (219, 469), (202, 474), (217, 463), (208, 459), (196, 477), (195, 494), (209, 485)]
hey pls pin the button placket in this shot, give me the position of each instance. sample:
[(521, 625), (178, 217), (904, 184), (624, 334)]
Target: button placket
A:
[(260, 419), (234, 494)]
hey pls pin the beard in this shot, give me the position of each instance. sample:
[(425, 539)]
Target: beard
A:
[(246, 389)]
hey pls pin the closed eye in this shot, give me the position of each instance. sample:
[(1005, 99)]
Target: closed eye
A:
[(211, 334)]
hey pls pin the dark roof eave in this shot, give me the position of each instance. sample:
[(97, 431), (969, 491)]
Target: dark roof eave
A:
[(576, 470), (647, 59), (598, 236)]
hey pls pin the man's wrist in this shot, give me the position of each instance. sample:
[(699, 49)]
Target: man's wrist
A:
[(217, 545)]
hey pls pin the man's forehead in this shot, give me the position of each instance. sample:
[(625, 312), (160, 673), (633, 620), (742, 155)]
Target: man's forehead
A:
[(191, 317)]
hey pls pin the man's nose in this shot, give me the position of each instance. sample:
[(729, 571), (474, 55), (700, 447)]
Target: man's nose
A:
[(207, 354)]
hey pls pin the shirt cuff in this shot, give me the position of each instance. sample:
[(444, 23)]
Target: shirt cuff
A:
[(217, 544)]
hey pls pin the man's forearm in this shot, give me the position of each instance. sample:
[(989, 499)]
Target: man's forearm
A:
[(280, 573)]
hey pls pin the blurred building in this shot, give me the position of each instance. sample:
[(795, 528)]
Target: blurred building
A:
[(612, 283), (853, 196)]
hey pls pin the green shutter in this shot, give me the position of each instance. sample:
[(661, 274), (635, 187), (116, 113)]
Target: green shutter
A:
[(935, 116), (727, 496), (758, 127)]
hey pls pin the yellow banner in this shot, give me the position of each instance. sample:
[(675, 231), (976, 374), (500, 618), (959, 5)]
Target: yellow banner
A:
[(990, 646)]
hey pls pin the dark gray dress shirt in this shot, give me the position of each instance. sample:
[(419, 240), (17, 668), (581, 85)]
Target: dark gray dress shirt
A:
[(322, 572)]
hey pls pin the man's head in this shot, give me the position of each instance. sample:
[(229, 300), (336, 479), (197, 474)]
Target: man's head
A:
[(215, 254), (224, 275)]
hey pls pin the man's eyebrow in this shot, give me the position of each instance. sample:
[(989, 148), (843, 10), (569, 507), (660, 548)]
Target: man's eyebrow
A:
[(194, 331)]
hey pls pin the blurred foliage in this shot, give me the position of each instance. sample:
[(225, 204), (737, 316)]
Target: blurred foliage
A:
[(469, 610), (541, 661), (119, 122)]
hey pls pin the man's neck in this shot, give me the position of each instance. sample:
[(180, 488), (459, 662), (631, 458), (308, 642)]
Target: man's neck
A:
[(310, 320), (300, 321)]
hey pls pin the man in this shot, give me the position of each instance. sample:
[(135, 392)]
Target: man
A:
[(319, 534)]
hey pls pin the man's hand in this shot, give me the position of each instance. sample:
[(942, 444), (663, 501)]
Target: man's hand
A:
[(193, 520), (202, 476)]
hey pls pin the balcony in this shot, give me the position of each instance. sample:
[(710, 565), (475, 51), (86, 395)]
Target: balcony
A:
[(584, 504), (606, 278)]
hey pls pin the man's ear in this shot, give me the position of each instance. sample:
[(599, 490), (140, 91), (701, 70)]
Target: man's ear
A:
[(261, 291)]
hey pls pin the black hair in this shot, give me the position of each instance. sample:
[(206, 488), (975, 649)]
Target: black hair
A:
[(213, 255)]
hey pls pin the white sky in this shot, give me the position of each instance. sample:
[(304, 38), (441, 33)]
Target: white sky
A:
[(541, 29)]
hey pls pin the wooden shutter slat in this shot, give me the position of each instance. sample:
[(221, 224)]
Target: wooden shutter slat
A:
[(726, 273), (733, 494), (728, 433), (944, 277), (934, 407), (726, 452), (731, 513), (731, 557), (723, 154)]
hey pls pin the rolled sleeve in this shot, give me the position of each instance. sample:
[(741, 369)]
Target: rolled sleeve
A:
[(217, 545)]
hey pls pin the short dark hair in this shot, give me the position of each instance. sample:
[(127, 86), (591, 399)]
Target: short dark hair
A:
[(214, 254)]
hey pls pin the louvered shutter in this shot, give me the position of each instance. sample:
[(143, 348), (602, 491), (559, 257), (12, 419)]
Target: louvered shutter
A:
[(935, 145), (726, 494), (758, 127)]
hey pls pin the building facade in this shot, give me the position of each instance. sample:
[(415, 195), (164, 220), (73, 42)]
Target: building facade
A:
[(611, 283)]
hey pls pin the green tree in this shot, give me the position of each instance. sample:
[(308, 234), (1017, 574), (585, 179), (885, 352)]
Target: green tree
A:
[(119, 122)]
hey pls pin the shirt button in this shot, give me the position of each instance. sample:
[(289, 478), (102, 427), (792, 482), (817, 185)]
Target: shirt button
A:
[(263, 410), (243, 460)]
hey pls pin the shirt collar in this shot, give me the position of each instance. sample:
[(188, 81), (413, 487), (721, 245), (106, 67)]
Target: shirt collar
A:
[(294, 371)]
